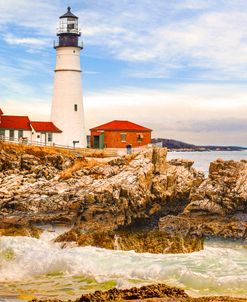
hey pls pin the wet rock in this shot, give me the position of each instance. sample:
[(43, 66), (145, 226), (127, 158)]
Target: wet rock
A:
[(149, 293), (208, 227), (30, 231), (142, 241), (133, 294), (145, 292)]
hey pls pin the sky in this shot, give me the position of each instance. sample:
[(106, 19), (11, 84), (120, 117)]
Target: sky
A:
[(176, 66)]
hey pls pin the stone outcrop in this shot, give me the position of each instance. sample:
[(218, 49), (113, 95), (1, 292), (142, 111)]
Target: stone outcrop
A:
[(141, 188), (117, 198), (207, 227), (145, 292), (121, 201), (30, 231), (218, 206), (149, 293), (156, 241), (97, 197), (223, 193)]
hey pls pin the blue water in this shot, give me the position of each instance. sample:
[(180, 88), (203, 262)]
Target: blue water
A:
[(202, 159)]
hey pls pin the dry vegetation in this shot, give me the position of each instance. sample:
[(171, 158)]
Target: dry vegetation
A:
[(83, 163), (33, 150), (79, 164), (41, 151)]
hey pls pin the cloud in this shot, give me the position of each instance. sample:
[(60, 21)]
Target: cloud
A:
[(38, 16), (40, 109), (163, 40), (204, 117), (167, 39), (195, 43), (13, 40), (220, 125), (201, 114)]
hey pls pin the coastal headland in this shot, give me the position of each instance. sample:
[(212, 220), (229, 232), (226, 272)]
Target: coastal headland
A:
[(139, 202)]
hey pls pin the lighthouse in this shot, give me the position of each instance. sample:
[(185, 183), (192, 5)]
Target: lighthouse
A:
[(67, 111)]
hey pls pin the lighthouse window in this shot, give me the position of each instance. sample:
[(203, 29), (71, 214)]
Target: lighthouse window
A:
[(75, 107), (71, 26)]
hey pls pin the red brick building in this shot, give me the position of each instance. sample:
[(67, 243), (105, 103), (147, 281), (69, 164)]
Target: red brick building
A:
[(119, 134)]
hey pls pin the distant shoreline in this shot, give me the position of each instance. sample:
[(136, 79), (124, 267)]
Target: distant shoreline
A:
[(207, 150), (175, 145)]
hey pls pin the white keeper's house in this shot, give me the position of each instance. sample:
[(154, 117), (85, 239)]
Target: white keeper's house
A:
[(66, 125), (19, 128)]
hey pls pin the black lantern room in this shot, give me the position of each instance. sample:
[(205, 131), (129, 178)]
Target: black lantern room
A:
[(68, 31)]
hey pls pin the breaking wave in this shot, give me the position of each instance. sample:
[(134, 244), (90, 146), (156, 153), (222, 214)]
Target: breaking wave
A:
[(217, 270)]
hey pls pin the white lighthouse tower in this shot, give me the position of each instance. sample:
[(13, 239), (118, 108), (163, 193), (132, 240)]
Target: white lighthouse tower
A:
[(67, 111)]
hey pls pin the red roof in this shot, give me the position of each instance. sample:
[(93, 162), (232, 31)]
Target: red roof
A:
[(15, 122), (45, 127), (1, 112), (121, 125)]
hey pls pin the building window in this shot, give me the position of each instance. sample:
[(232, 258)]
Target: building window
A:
[(123, 137), (75, 107), (139, 137), (20, 134), (11, 135), (2, 133), (38, 136), (49, 137)]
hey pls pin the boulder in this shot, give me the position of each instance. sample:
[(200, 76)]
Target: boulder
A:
[(157, 241), (205, 227), (223, 193)]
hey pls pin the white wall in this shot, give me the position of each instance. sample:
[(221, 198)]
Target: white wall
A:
[(26, 133), (32, 136), (67, 93)]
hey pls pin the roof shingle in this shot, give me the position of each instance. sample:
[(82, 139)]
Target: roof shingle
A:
[(15, 122), (45, 127), (121, 125)]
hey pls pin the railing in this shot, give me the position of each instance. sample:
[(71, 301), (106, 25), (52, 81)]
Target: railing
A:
[(56, 44), (87, 152)]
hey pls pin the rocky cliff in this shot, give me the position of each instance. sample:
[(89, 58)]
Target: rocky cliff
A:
[(120, 203), (224, 192), (96, 197), (218, 206)]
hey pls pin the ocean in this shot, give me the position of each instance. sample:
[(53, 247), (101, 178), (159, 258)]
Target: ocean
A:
[(202, 159), (40, 268), (32, 267)]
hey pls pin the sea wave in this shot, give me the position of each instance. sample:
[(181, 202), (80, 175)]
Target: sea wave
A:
[(215, 270)]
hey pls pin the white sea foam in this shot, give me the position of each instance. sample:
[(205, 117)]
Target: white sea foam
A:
[(216, 270)]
